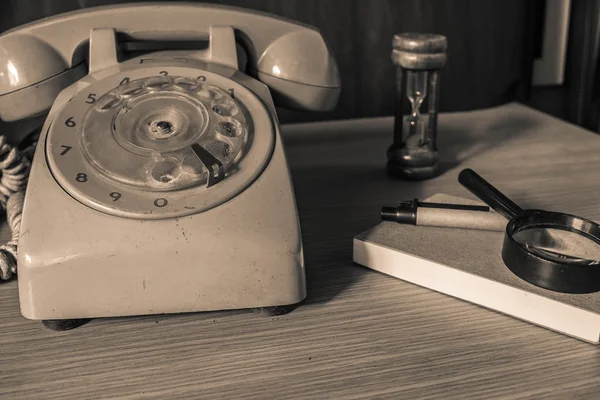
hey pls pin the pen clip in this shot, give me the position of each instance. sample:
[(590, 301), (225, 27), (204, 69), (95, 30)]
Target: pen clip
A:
[(467, 207)]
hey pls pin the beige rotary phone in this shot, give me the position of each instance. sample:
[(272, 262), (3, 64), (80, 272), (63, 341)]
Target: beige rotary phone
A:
[(159, 182)]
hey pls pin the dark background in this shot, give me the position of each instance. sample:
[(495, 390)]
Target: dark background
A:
[(492, 44)]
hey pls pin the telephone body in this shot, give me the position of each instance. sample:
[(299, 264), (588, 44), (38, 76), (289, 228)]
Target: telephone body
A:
[(160, 182)]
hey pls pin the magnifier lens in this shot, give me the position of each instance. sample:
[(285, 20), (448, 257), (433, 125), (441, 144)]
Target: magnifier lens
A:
[(555, 251), (559, 245)]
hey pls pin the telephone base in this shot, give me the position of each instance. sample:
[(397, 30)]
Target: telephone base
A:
[(76, 262)]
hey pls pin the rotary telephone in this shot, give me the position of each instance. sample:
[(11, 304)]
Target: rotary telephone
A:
[(160, 183)]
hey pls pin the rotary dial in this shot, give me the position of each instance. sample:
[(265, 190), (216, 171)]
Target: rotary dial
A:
[(149, 143)]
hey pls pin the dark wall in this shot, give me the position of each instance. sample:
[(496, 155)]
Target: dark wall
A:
[(489, 56)]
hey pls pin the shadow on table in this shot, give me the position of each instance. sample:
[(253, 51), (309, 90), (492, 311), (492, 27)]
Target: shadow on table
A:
[(335, 204), (458, 145)]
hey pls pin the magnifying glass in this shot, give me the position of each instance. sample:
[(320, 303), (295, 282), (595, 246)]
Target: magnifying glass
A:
[(555, 251)]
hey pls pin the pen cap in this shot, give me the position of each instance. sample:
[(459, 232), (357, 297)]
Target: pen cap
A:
[(406, 213)]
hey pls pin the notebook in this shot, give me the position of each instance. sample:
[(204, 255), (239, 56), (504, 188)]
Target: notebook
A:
[(467, 264)]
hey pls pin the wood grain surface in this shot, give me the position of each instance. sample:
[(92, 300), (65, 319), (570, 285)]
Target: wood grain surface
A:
[(359, 334)]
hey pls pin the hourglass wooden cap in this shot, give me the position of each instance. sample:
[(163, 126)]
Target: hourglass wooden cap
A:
[(413, 50)]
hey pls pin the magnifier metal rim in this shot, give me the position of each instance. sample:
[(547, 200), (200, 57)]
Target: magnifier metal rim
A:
[(567, 277)]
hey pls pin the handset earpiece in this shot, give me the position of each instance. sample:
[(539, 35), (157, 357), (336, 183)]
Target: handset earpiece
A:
[(32, 74), (300, 71)]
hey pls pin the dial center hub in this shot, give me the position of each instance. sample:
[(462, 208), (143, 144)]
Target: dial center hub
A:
[(162, 128)]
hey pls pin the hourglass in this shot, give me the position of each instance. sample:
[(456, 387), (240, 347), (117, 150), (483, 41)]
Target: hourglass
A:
[(418, 57)]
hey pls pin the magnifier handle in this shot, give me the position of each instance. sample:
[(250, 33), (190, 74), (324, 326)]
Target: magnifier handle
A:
[(488, 194)]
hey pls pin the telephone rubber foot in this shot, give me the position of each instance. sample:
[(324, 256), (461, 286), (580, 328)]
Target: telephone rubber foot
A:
[(64, 324), (276, 310)]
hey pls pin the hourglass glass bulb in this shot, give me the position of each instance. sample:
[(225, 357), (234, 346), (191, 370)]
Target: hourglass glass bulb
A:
[(416, 88), (416, 91)]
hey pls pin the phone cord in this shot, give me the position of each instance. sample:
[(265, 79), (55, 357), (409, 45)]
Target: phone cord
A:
[(15, 168)]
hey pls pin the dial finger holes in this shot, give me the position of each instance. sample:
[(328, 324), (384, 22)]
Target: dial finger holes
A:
[(224, 147), (208, 93), (157, 82), (229, 128), (226, 108), (165, 171), (186, 84), (108, 102), (131, 89)]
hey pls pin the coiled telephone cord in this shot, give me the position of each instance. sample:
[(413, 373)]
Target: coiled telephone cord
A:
[(15, 167)]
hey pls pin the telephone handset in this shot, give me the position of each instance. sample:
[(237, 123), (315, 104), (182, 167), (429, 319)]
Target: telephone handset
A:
[(42, 58), (160, 182)]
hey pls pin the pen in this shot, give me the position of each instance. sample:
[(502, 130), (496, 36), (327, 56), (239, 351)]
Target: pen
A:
[(414, 212)]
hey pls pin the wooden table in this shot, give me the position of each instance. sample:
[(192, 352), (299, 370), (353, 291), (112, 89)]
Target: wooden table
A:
[(359, 334)]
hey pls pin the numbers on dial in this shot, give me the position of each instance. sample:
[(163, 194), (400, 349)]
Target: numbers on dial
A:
[(69, 122), (161, 202), (124, 81), (81, 177), (66, 149), (115, 196), (91, 99), (163, 73), (201, 78)]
